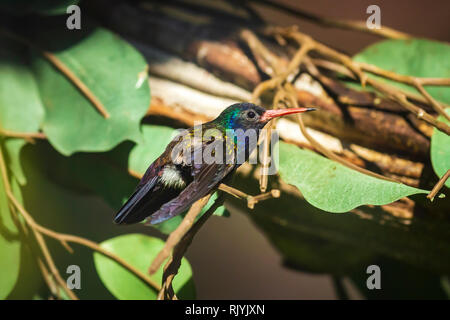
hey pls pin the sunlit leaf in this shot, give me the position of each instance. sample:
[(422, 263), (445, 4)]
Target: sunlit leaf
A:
[(440, 150), (111, 69), (414, 57), (333, 187), (138, 250)]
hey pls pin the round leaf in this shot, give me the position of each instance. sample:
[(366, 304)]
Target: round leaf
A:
[(414, 57), (139, 250), (112, 70), (333, 187)]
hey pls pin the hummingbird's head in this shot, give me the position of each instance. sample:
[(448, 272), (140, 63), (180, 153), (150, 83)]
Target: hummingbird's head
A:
[(250, 116)]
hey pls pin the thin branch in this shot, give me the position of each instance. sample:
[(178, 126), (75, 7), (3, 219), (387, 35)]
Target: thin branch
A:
[(28, 136), (436, 106), (251, 200), (304, 39), (47, 256), (233, 191), (264, 176), (331, 155), (174, 263), (402, 100), (403, 78), (438, 185), (415, 82), (77, 82), (178, 233), (261, 53), (281, 76), (333, 66), (40, 240), (390, 91), (48, 278), (64, 238), (51, 264)]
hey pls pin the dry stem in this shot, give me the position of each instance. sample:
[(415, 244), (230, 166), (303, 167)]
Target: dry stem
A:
[(356, 68), (306, 44), (178, 233), (438, 185), (251, 200), (39, 238), (28, 136), (174, 262)]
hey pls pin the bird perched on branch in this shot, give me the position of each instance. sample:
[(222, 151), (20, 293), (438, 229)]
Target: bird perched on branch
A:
[(196, 161)]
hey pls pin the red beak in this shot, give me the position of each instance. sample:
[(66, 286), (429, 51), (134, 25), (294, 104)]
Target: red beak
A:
[(270, 114)]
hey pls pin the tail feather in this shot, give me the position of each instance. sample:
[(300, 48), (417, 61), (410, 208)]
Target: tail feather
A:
[(131, 211)]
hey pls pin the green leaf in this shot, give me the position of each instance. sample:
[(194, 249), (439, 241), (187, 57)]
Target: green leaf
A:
[(440, 150), (414, 57), (111, 69), (21, 110), (154, 142), (139, 250), (13, 148), (9, 242), (333, 187)]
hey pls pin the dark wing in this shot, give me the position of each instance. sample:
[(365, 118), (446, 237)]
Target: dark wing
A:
[(151, 199), (149, 194), (134, 209), (206, 178)]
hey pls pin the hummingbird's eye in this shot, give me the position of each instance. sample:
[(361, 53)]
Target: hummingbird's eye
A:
[(251, 115)]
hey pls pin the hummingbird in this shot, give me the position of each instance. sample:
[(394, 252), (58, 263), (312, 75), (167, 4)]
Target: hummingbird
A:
[(175, 180)]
